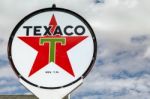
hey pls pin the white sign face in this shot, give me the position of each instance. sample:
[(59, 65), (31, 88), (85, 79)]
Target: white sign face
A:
[(52, 48)]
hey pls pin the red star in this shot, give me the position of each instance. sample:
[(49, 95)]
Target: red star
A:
[(61, 57)]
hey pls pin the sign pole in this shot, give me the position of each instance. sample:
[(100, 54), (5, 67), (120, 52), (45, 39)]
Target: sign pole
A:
[(67, 97)]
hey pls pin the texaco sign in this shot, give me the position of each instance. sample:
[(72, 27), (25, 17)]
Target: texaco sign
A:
[(52, 48)]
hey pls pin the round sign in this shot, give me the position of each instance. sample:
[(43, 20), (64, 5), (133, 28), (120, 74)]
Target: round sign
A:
[(52, 48)]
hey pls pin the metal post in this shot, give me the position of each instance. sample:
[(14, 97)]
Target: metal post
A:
[(67, 97)]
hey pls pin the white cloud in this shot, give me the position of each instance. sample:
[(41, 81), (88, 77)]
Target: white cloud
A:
[(7, 72), (115, 88), (8, 89), (2, 82)]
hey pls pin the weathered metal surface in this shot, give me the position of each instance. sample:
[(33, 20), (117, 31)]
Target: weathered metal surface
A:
[(17, 97), (20, 97)]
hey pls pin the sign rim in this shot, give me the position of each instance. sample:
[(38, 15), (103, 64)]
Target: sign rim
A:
[(9, 47)]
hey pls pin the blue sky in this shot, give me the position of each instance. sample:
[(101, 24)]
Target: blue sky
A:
[(122, 29)]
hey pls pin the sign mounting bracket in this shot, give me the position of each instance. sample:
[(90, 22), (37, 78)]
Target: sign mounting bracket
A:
[(62, 93)]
